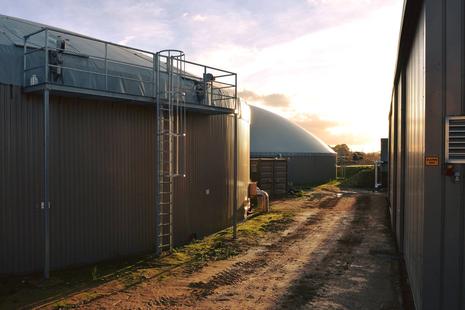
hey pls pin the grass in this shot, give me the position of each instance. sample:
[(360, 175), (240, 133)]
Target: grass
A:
[(68, 287), (364, 178), (352, 170), (302, 190)]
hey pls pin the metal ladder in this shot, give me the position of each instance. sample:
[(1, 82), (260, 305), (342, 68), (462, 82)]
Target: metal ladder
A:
[(171, 140)]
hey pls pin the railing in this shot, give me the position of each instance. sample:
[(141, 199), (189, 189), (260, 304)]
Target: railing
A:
[(67, 59)]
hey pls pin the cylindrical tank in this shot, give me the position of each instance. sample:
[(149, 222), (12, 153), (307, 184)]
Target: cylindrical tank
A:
[(310, 160)]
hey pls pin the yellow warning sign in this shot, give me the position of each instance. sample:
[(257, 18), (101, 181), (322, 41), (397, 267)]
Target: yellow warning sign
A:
[(432, 161)]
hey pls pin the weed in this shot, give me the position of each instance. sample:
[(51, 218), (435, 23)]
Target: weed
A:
[(94, 273), (127, 273)]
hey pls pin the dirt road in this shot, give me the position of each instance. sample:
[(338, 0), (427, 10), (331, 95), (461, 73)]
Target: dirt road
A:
[(337, 254)]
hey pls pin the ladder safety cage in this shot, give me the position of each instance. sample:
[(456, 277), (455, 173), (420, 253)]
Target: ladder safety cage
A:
[(171, 139)]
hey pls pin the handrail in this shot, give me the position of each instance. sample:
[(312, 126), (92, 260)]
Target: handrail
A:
[(214, 92)]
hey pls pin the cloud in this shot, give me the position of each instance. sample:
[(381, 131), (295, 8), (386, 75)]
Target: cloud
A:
[(126, 40), (332, 58), (271, 100), (199, 18), (332, 132), (160, 24)]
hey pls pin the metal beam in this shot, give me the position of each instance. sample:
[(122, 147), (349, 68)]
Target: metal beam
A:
[(64, 90)]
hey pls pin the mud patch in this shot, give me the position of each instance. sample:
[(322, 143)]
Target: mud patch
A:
[(313, 261), (333, 260)]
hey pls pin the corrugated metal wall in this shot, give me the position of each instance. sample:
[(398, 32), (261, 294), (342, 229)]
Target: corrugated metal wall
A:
[(21, 242), (311, 169), (102, 173), (453, 225), (210, 168), (430, 205), (444, 198), (415, 153), (400, 162), (101, 180), (392, 175)]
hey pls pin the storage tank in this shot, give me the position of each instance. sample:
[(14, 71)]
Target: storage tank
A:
[(81, 174), (310, 160)]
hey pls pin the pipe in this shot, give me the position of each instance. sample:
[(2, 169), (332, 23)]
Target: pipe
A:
[(377, 166), (264, 195)]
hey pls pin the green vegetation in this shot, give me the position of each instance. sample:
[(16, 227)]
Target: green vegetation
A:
[(363, 178), (347, 157), (67, 287), (350, 171), (302, 189)]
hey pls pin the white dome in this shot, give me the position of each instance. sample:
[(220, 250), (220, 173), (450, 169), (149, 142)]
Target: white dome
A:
[(271, 134)]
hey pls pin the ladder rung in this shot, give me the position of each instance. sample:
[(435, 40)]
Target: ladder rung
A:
[(164, 224), (165, 203), (164, 235), (166, 192), (164, 213)]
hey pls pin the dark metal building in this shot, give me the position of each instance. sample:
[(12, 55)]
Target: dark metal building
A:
[(80, 168), (427, 151), (310, 160)]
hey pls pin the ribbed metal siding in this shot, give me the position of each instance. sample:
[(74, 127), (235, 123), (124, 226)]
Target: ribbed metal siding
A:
[(243, 172), (415, 152), (440, 249), (311, 169), (102, 179), (210, 169), (453, 194), (400, 163), (392, 175), (21, 227)]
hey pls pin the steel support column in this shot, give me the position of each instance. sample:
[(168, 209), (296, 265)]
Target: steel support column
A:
[(46, 202), (234, 215), (156, 91)]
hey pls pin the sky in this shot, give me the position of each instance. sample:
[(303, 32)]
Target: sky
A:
[(327, 65)]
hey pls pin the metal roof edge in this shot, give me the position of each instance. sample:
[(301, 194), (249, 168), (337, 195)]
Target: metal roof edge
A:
[(410, 14)]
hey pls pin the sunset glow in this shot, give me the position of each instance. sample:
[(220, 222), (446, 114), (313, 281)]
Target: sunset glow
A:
[(325, 64)]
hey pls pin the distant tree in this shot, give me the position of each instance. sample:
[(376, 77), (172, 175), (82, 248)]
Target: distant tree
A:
[(358, 156), (343, 153), (342, 150), (372, 157)]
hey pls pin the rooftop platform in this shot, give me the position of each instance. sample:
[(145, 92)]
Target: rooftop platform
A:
[(70, 64)]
